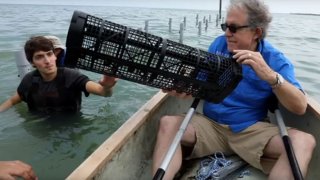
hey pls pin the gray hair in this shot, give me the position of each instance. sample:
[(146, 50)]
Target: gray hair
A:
[(258, 13)]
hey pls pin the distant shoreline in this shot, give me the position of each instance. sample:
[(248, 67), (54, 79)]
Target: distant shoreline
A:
[(307, 14), (99, 5)]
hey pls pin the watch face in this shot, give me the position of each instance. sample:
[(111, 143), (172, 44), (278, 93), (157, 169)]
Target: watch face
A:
[(280, 79)]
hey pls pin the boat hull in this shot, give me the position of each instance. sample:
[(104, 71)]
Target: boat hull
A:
[(127, 153)]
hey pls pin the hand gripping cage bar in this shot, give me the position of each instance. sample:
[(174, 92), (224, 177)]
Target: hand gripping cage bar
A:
[(108, 48)]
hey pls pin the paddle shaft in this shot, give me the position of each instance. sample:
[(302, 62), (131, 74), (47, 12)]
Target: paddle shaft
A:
[(176, 141), (288, 146)]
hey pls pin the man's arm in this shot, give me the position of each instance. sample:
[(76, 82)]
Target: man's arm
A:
[(288, 95), (103, 88), (13, 169), (291, 97), (13, 100)]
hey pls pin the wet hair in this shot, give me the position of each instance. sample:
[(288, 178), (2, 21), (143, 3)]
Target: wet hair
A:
[(258, 13), (37, 43)]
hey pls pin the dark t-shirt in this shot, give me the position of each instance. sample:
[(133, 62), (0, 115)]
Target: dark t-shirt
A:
[(62, 94)]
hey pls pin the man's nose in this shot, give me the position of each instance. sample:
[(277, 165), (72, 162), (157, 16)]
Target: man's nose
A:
[(228, 32), (46, 58)]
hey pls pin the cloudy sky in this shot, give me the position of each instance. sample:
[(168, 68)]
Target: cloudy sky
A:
[(284, 6)]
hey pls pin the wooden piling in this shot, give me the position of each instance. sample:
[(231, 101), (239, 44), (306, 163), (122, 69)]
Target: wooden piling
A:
[(181, 32), (206, 27), (146, 26), (199, 28), (170, 25), (197, 19)]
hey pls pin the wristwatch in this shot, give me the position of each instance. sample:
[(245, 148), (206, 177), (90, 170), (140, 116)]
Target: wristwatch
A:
[(280, 81)]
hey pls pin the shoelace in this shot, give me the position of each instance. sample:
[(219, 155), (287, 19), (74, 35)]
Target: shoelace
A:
[(210, 166)]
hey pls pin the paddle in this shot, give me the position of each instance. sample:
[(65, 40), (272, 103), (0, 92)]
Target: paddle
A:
[(288, 146), (173, 147)]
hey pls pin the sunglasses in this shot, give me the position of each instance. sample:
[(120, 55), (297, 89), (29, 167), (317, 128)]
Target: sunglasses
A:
[(232, 28)]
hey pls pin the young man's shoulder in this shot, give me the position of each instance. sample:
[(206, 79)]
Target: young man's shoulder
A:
[(72, 76), (28, 77), (66, 69), (69, 71)]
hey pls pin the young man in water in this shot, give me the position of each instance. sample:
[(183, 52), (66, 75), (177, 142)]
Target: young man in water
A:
[(49, 89)]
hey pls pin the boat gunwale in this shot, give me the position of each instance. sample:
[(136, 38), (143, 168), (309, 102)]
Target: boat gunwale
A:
[(91, 166), (314, 106)]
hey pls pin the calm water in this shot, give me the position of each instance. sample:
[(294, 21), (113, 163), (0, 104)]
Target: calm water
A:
[(55, 148)]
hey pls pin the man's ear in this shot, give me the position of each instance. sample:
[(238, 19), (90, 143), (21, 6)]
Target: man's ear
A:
[(259, 33), (32, 64)]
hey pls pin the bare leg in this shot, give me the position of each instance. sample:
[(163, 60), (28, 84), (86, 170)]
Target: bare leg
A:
[(303, 145), (168, 128)]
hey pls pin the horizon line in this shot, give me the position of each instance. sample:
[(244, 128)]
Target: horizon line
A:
[(126, 6)]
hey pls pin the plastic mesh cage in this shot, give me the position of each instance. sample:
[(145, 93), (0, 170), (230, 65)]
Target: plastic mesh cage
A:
[(108, 48)]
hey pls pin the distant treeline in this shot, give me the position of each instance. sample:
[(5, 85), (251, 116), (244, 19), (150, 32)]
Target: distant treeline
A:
[(308, 14)]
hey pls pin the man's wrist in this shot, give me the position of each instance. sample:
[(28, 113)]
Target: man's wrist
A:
[(106, 86), (279, 81)]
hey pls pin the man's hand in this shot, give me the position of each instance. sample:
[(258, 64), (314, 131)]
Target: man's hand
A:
[(9, 170), (257, 63), (176, 94), (108, 81)]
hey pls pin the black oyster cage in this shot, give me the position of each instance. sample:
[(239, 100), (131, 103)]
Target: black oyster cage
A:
[(108, 48)]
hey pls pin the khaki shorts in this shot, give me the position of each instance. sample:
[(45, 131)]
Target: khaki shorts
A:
[(248, 144)]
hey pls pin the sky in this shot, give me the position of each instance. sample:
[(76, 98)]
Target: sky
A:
[(275, 6)]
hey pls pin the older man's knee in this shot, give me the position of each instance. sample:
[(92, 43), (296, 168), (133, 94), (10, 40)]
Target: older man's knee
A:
[(169, 123), (303, 140)]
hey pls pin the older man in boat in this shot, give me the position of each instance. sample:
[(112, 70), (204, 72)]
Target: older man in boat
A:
[(238, 124)]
